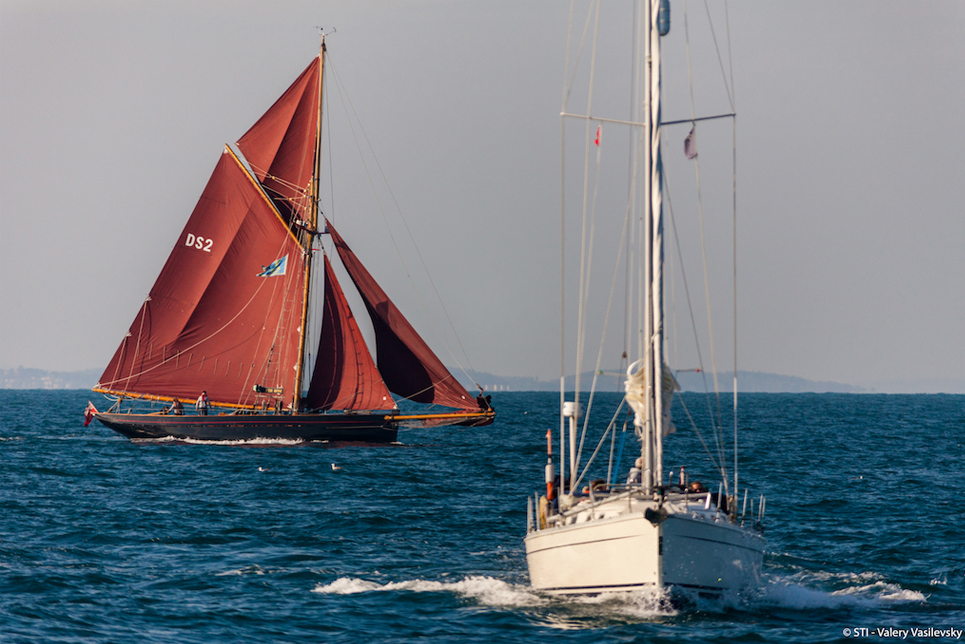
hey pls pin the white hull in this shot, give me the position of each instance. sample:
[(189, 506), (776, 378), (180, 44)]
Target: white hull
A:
[(613, 547)]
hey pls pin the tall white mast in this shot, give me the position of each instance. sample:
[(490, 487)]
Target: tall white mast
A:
[(656, 217), (651, 282)]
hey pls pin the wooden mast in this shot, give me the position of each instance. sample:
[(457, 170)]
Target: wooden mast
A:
[(313, 226)]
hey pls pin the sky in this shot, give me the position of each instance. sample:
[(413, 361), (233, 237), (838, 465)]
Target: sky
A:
[(851, 178)]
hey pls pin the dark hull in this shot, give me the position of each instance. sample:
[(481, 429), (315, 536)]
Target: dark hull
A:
[(367, 428)]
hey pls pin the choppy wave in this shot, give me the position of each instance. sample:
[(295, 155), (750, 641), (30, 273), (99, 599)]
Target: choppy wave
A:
[(105, 541)]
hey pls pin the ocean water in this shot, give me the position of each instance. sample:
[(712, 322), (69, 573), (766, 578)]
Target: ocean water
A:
[(107, 540)]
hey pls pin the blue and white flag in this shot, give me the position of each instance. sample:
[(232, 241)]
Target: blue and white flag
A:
[(277, 267)]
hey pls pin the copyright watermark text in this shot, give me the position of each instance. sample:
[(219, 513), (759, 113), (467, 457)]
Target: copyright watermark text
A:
[(904, 633)]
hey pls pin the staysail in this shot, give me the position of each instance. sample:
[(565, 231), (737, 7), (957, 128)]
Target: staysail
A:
[(223, 314), (345, 376), (407, 364)]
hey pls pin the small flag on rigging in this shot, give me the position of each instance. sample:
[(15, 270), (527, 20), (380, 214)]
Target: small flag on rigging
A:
[(599, 131), (277, 267), (690, 143)]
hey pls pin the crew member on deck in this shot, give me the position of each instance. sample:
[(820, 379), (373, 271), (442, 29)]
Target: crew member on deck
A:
[(202, 404), (176, 408)]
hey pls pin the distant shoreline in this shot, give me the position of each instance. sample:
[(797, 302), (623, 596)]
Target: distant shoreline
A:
[(747, 382)]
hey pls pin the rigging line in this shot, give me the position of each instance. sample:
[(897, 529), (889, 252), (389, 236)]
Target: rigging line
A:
[(593, 456), (584, 268), (565, 100), (300, 194), (566, 65), (425, 389), (720, 60), (584, 303), (137, 344), (633, 153), (700, 436), (568, 85), (690, 307), (199, 342), (562, 259), (343, 95), (289, 280), (331, 162), (606, 319), (289, 292), (718, 430), (317, 294), (730, 61), (613, 441)]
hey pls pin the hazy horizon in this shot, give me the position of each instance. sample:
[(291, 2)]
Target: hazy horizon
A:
[(749, 381)]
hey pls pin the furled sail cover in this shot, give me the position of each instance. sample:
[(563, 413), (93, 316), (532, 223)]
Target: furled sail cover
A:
[(407, 364), (345, 376), (281, 146), (223, 315)]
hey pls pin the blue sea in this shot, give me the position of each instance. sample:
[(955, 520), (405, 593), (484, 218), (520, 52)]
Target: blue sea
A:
[(107, 540)]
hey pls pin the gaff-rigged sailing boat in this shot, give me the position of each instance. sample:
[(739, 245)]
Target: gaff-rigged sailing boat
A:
[(229, 313), (649, 533)]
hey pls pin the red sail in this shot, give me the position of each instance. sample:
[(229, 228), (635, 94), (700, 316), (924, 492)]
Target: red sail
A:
[(345, 376), (223, 315), (407, 364), (281, 146)]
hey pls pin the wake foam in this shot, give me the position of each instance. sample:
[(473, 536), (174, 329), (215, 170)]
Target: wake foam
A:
[(806, 590), (489, 591), (251, 442), (485, 590), (638, 604), (800, 591)]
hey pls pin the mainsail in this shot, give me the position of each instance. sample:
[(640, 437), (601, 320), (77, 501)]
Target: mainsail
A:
[(211, 322)]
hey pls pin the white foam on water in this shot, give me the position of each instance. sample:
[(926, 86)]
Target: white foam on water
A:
[(485, 590), (805, 591), (247, 570), (640, 604), (249, 441), (489, 591), (882, 591)]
